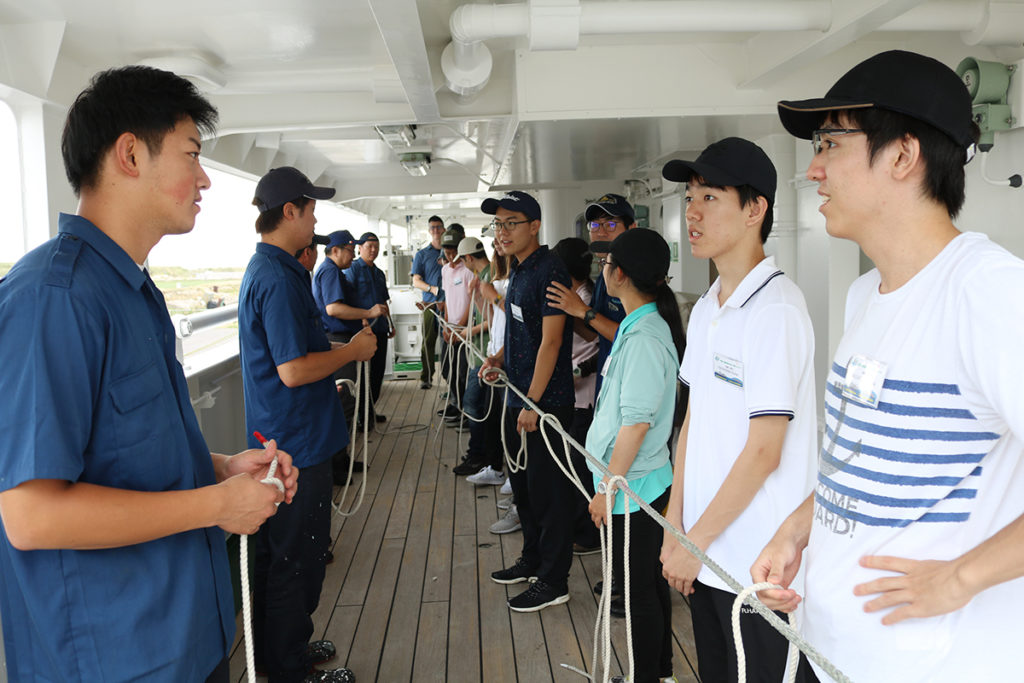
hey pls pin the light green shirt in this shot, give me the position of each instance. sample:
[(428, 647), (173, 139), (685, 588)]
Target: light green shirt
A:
[(638, 385)]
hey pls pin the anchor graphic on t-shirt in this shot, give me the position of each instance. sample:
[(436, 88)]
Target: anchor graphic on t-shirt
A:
[(825, 465)]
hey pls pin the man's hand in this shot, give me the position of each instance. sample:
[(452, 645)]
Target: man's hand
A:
[(678, 565), (778, 563), (488, 292), (247, 503), (256, 463), (565, 299), (527, 421), (488, 367), (378, 310), (364, 344), (921, 588)]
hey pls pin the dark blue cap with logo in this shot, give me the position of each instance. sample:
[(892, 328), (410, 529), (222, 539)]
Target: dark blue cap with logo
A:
[(366, 237), (513, 201), (614, 205), (340, 238), (284, 184)]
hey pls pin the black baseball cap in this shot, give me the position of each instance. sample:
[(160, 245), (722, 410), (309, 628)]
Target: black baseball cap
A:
[(339, 238), (730, 162), (281, 185), (904, 82), (641, 253), (614, 205), (513, 201), (321, 240), (366, 237)]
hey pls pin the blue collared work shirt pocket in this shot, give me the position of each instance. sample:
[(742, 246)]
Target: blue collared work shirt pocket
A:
[(140, 415)]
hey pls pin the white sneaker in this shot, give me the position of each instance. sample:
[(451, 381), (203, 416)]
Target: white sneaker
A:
[(508, 523), (488, 476), (505, 503), (506, 488)]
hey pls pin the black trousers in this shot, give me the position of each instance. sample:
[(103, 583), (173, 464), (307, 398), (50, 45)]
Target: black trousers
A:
[(428, 347), (764, 647), (348, 399), (288, 572), (584, 531), (379, 362), (649, 603), (545, 500), (455, 370)]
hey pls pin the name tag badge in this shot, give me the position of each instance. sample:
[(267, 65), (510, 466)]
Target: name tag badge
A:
[(458, 281), (604, 368), (864, 378), (517, 312), (612, 307), (729, 370)]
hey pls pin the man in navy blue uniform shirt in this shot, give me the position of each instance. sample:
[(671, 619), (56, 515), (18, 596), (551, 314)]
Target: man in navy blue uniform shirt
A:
[(370, 289), (537, 357), (426, 276), (112, 565), (287, 364)]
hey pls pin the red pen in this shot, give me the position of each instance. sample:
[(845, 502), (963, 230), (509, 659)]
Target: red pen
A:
[(271, 479)]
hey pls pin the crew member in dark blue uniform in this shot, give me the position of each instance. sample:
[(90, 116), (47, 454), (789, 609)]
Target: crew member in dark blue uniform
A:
[(287, 367), (112, 565), (370, 289)]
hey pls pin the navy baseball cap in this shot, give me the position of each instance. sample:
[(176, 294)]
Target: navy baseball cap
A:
[(614, 205), (366, 237), (730, 162), (513, 201), (904, 82), (339, 238), (284, 184)]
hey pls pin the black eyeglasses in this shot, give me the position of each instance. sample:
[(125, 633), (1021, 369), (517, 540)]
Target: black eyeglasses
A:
[(507, 226), (819, 144), (604, 261), (604, 225)]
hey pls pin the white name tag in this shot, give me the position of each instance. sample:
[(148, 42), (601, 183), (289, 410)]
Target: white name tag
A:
[(517, 312), (864, 378), (729, 370), (604, 368), (458, 281)]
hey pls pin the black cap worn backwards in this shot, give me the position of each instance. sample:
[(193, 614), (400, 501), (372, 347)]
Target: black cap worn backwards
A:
[(904, 82), (731, 162), (367, 237), (513, 201), (321, 240), (614, 205), (281, 185)]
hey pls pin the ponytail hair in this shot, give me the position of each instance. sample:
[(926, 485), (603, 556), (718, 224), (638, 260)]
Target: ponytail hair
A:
[(665, 301)]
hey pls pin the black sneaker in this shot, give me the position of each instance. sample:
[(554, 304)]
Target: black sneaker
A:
[(538, 596), (450, 412), (339, 675), (517, 573), (467, 467), (320, 651), (616, 591)]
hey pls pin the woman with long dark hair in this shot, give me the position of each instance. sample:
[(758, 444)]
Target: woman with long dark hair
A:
[(631, 429)]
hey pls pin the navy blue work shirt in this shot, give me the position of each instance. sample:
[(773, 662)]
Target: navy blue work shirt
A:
[(427, 265), (278, 321), (330, 286), (611, 308), (93, 394), (526, 306), (368, 286)]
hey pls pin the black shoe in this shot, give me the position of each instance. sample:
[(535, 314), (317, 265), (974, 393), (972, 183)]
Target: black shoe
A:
[(424, 385), (580, 549), (616, 591), (538, 596), (339, 675), (618, 608), (450, 412), (380, 418), (328, 559), (320, 651), (467, 467), (517, 573)]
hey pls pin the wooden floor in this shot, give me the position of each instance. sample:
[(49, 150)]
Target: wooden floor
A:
[(409, 595)]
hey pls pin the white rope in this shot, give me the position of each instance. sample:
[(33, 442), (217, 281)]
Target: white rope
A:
[(788, 631), (362, 371), (243, 565), (737, 636)]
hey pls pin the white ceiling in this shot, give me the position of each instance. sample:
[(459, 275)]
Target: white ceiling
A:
[(303, 82)]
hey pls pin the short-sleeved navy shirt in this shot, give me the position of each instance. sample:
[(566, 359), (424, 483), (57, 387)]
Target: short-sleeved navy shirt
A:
[(526, 305), (427, 265), (278, 321), (93, 393), (368, 286), (330, 286), (611, 308)]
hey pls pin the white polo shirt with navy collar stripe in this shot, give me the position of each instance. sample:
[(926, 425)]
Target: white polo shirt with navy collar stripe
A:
[(751, 357)]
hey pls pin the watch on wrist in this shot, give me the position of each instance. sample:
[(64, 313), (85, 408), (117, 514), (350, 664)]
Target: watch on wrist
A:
[(602, 486), (589, 315)]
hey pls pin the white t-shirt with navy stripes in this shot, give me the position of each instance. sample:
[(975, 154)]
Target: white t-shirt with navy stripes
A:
[(752, 356), (931, 471)]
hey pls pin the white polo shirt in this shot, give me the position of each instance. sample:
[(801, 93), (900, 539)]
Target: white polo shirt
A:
[(752, 357)]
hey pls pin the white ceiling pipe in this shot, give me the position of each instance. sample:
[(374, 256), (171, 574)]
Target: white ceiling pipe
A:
[(652, 16)]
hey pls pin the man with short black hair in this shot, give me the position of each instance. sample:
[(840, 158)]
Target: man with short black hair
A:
[(287, 367), (369, 288), (537, 358), (426, 276), (112, 558), (913, 539), (743, 456)]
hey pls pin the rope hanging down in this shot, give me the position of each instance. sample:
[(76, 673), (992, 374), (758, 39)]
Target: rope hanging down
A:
[(546, 419)]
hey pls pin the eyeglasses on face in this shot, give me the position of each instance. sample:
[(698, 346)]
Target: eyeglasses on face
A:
[(605, 225), (604, 261), (817, 136), (506, 226)]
